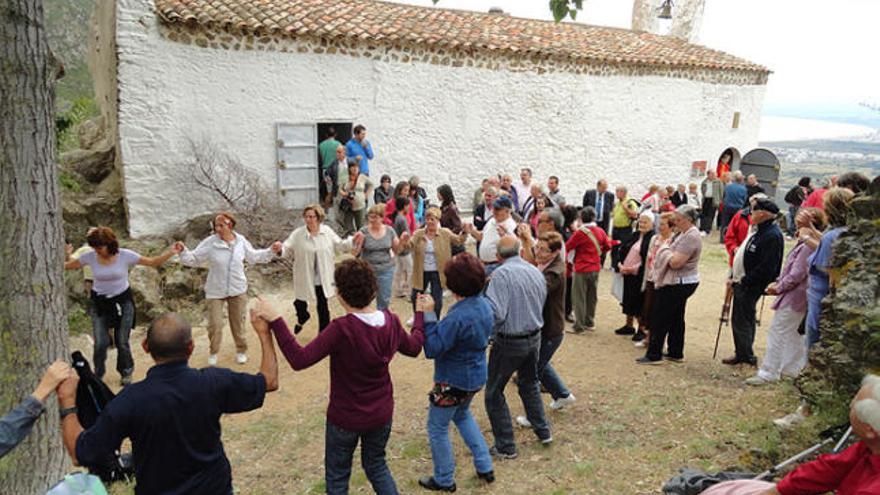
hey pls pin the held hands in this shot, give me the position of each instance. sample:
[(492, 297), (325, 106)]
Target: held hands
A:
[(261, 326), (66, 389), (772, 289), (424, 303), (265, 310), (358, 239), (56, 373), (276, 247), (404, 237), (177, 248), (524, 232)]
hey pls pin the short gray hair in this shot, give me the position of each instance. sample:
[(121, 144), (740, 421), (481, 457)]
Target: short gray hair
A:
[(510, 251), (737, 176), (868, 410), (492, 190), (689, 212)]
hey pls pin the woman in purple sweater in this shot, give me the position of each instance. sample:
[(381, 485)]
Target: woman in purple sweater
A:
[(360, 344), (786, 349)]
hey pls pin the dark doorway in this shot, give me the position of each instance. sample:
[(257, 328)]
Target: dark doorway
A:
[(343, 135), (733, 159)]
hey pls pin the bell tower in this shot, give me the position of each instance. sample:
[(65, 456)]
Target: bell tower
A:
[(687, 16)]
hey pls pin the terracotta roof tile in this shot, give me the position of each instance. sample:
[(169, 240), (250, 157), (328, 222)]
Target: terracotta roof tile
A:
[(378, 21)]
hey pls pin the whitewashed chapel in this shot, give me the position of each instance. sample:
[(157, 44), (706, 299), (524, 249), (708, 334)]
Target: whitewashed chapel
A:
[(447, 95)]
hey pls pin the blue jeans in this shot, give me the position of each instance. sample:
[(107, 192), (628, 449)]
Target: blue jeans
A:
[(792, 213), (385, 279), (549, 379), (339, 445), (506, 357), (432, 279), (101, 326), (441, 448), (814, 310)]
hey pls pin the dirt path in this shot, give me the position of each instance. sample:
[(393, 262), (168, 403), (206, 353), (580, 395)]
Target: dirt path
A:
[(630, 430)]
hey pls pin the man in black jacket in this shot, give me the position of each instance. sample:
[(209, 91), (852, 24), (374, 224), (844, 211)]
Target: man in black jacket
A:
[(757, 263)]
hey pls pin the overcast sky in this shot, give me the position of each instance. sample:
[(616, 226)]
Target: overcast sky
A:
[(823, 54)]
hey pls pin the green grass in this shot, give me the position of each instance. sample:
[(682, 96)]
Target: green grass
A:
[(69, 182)]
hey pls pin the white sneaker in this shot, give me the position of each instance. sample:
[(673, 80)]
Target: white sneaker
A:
[(703, 234), (640, 343), (789, 420), (757, 381), (562, 402), (212, 360), (523, 421), (240, 358)]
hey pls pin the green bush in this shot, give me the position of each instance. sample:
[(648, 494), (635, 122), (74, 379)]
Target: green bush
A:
[(80, 110), (68, 182)]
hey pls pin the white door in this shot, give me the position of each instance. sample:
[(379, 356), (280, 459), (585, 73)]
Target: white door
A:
[(297, 164)]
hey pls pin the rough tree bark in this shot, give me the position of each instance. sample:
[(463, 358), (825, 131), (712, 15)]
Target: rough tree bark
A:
[(33, 325)]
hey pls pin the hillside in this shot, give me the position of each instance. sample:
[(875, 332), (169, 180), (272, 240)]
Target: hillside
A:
[(67, 23)]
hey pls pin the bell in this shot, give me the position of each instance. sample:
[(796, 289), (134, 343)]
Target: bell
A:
[(665, 10)]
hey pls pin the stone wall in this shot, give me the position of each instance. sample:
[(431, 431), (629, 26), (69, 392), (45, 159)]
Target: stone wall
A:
[(447, 117)]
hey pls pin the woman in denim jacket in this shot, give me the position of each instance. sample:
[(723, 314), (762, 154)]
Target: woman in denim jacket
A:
[(457, 343)]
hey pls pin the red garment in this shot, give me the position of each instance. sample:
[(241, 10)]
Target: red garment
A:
[(736, 233), (667, 207), (855, 471), (646, 196), (391, 210), (815, 199), (722, 168), (361, 394), (586, 258)]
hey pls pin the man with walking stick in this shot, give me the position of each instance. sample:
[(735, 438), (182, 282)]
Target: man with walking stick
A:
[(756, 264)]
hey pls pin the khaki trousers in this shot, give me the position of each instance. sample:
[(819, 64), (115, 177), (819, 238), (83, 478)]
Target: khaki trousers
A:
[(584, 296), (237, 311)]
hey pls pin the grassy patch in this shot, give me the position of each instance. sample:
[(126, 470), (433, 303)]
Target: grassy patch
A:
[(68, 182), (78, 321)]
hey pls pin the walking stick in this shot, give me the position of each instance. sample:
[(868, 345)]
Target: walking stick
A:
[(725, 317), (761, 313)]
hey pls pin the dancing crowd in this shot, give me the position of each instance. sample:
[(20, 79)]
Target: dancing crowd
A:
[(536, 265)]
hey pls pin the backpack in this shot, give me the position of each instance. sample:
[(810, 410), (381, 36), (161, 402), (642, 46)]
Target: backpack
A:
[(92, 397)]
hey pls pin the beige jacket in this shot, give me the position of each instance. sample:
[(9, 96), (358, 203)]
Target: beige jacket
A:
[(443, 242), (304, 249)]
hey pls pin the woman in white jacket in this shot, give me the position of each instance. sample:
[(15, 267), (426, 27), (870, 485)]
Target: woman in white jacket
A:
[(313, 248), (224, 253)]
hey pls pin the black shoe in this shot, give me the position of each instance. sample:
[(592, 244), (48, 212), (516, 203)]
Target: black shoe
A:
[(647, 360), (625, 330), (488, 477), (639, 336), (430, 483), (494, 452), (297, 329), (673, 358)]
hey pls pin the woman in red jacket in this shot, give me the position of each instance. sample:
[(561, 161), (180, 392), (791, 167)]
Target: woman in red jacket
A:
[(587, 245)]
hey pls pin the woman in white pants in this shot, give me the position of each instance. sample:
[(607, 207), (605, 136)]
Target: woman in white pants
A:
[(786, 347)]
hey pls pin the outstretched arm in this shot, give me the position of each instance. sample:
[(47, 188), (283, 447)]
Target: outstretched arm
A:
[(156, 261), (268, 361)]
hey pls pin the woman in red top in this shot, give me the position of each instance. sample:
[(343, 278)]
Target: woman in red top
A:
[(587, 246), (723, 164), (401, 189)]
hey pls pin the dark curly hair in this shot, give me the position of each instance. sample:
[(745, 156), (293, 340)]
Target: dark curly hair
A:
[(465, 275), (356, 282)]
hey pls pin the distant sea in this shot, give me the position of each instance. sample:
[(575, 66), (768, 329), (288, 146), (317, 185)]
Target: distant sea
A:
[(775, 129)]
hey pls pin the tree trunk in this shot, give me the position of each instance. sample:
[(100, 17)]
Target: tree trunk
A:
[(33, 323)]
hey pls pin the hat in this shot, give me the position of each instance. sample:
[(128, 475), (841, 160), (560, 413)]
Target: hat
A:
[(766, 205), (502, 202)]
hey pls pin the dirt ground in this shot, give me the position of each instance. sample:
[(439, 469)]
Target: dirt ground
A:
[(630, 430)]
